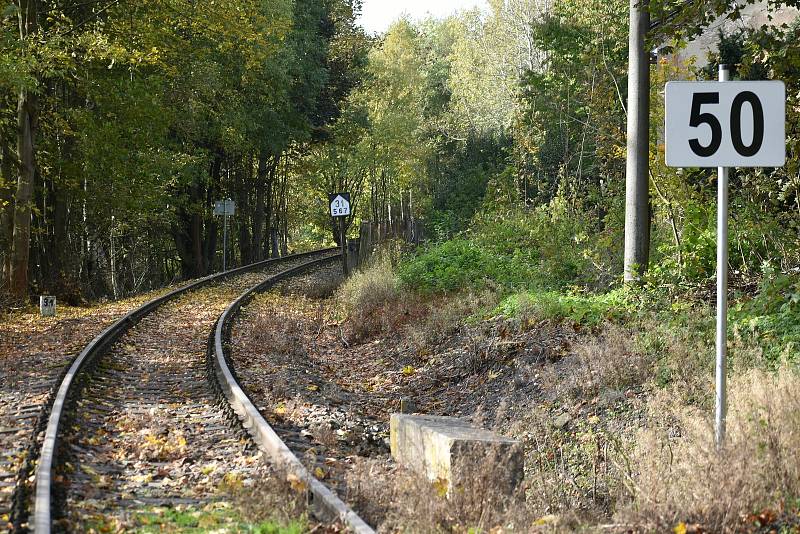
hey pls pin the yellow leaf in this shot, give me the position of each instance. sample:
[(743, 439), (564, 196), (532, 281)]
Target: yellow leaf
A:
[(89, 471), (312, 387), (545, 520), (319, 473), (280, 409), (441, 485), (680, 529), (408, 370), (295, 482), (493, 375)]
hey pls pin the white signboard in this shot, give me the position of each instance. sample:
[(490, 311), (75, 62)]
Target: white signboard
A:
[(725, 124), (340, 204), (47, 306), (224, 207)]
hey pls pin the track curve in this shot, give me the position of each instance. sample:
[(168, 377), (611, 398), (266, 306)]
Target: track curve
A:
[(326, 503), (65, 395)]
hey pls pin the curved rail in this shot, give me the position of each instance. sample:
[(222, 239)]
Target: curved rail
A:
[(44, 473), (326, 504)]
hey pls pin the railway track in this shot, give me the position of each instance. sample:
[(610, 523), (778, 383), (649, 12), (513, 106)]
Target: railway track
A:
[(137, 421), (282, 443), (328, 424), (36, 358), (26, 397)]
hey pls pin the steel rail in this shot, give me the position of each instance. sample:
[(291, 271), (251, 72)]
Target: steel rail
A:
[(42, 519), (326, 504)]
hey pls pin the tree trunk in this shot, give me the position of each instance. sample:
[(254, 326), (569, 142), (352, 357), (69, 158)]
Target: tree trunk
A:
[(27, 115), (268, 209), (242, 212), (258, 214), (20, 252), (213, 225), (196, 234), (637, 183), (6, 212)]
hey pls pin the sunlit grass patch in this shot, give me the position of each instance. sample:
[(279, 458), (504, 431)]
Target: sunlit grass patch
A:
[(587, 309), (217, 517)]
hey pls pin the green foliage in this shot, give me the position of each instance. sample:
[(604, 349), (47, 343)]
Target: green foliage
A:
[(211, 518), (771, 318), (584, 309), (462, 172), (459, 264), (511, 248), (148, 112), (572, 113)]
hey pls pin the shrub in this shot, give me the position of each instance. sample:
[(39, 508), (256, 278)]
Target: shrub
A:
[(583, 309), (374, 301), (462, 264), (771, 318), (516, 249)]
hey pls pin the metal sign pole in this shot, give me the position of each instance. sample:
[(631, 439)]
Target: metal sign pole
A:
[(722, 292), (225, 242)]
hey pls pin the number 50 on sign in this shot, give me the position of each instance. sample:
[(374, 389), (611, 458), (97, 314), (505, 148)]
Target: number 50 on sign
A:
[(731, 124)]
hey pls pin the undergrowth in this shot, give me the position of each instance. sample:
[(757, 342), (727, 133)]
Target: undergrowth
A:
[(633, 386)]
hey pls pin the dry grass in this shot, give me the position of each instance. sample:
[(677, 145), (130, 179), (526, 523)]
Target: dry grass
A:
[(279, 498), (398, 500), (446, 316), (683, 478), (374, 302), (279, 330), (610, 361), (578, 476)]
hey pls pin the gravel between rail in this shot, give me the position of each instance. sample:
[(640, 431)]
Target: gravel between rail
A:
[(148, 429)]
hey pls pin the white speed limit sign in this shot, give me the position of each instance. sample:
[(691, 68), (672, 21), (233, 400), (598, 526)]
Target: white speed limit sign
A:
[(730, 124), (724, 124)]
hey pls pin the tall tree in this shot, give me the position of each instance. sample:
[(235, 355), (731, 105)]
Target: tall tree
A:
[(27, 124)]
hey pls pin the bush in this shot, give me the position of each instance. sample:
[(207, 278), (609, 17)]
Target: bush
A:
[(374, 302), (771, 318), (515, 249), (583, 309), (461, 264)]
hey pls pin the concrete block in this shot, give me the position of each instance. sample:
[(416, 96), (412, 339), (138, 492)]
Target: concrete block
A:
[(450, 450)]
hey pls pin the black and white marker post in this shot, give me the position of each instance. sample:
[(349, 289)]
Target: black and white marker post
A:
[(724, 124), (340, 208)]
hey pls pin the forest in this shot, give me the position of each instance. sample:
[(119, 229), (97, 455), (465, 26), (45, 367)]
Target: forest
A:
[(123, 123)]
